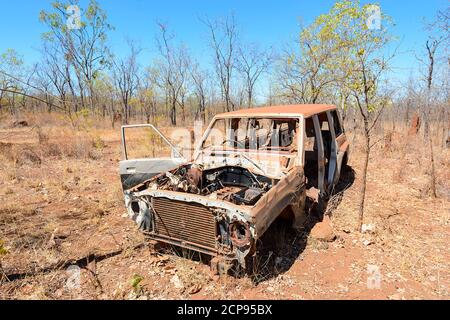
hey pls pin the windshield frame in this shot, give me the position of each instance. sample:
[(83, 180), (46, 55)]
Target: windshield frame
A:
[(201, 148)]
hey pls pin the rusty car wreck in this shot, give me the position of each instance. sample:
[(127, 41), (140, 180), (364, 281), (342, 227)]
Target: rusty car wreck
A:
[(251, 167)]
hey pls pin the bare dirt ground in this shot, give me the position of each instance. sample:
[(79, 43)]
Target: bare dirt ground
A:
[(61, 205)]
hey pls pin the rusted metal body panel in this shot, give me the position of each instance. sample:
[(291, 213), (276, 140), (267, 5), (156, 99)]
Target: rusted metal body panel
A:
[(286, 192), (293, 110), (342, 142)]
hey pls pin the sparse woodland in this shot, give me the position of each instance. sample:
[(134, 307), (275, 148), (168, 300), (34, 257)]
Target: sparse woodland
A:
[(64, 112)]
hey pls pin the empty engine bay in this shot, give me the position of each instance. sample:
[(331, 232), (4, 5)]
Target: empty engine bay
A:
[(234, 184)]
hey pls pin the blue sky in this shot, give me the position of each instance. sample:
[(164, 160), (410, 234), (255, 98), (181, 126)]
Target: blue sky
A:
[(268, 22)]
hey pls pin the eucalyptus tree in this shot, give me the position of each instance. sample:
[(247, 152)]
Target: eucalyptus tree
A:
[(342, 50), (80, 36), (173, 71), (11, 68), (224, 43), (365, 66), (126, 78), (252, 62)]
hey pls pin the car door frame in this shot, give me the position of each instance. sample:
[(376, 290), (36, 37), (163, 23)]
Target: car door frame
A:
[(136, 171), (143, 125)]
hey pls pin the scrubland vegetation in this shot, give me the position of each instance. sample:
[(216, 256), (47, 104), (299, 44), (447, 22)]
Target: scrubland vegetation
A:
[(61, 199)]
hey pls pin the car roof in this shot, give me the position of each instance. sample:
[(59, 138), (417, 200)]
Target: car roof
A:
[(292, 110)]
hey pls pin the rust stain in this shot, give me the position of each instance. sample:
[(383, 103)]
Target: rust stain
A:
[(305, 110)]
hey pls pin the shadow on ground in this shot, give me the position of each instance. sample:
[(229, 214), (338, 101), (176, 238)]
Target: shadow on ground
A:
[(281, 245)]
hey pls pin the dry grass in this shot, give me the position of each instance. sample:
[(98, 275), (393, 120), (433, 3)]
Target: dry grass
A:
[(61, 200)]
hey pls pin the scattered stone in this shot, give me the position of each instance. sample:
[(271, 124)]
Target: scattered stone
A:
[(215, 278), (167, 268), (51, 242), (175, 280), (368, 228), (367, 242), (323, 230), (99, 212), (59, 293), (396, 296), (195, 289)]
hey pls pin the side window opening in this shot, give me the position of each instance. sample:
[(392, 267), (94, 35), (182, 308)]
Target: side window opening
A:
[(312, 151), (337, 123), (326, 135), (142, 142), (311, 154)]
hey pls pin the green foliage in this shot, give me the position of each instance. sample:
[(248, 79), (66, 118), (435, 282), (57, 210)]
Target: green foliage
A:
[(12, 63), (103, 84), (135, 283), (84, 112), (93, 16), (3, 250), (84, 48), (339, 51), (11, 58), (98, 143)]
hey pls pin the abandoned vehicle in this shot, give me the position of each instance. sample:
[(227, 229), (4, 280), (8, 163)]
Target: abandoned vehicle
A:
[(250, 167)]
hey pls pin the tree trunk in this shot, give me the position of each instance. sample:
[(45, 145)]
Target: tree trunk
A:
[(183, 113), (153, 112), (343, 111), (227, 107), (125, 113), (432, 167), (354, 128), (202, 112), (364, 175), (173, 114)]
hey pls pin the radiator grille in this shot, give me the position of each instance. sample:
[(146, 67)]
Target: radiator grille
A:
[(185, 221)]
